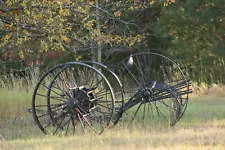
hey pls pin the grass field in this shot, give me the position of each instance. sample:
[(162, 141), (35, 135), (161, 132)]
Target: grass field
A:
[(202, 127)]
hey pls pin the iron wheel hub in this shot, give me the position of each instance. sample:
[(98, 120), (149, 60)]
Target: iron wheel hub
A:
[(81, 97)]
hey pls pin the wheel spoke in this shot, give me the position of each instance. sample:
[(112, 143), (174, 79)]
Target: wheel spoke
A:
[(161, 79), (73, 92), (136, 112)]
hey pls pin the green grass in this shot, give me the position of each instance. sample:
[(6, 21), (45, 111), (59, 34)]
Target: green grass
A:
[(201, 127), (204, 114), (204, 111), (14, 102)]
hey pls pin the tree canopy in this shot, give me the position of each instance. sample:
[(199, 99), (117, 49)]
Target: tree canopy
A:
[(193, 31), (29, 28), (196, 30)]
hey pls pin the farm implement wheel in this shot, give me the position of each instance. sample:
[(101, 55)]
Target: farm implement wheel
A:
[(155, 87), (115, 84), (73, 98)]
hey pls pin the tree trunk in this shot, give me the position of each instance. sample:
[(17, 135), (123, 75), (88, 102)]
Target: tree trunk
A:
[(96, 53)]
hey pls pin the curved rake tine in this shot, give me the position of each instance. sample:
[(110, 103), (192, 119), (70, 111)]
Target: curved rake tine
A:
[(167, 74)]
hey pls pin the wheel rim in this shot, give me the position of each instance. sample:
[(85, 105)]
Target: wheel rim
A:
[(68, 99), (149, 70), (117, 89)]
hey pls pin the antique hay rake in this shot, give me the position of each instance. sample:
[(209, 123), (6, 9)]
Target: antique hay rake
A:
[(89, 96)]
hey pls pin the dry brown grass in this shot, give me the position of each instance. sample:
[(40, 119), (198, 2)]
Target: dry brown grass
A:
[(202, 127), (122, 138), (214, 90)]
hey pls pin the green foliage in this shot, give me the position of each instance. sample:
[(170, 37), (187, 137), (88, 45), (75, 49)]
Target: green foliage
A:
[(36, 27), (197, 32), (191, 30)]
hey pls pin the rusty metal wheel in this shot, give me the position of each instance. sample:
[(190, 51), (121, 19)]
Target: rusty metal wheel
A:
[(73, 98), (156, 88)]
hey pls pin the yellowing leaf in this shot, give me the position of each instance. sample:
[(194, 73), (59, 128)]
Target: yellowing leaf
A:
[(64, 12), (117, 13), (65, 39)]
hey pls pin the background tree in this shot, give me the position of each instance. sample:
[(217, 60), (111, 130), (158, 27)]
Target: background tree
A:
[(196, 33), (30, 29)]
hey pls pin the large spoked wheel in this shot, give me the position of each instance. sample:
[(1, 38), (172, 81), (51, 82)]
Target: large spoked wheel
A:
[(156, 89), (159, 107), (73, 98), (117, 88)]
